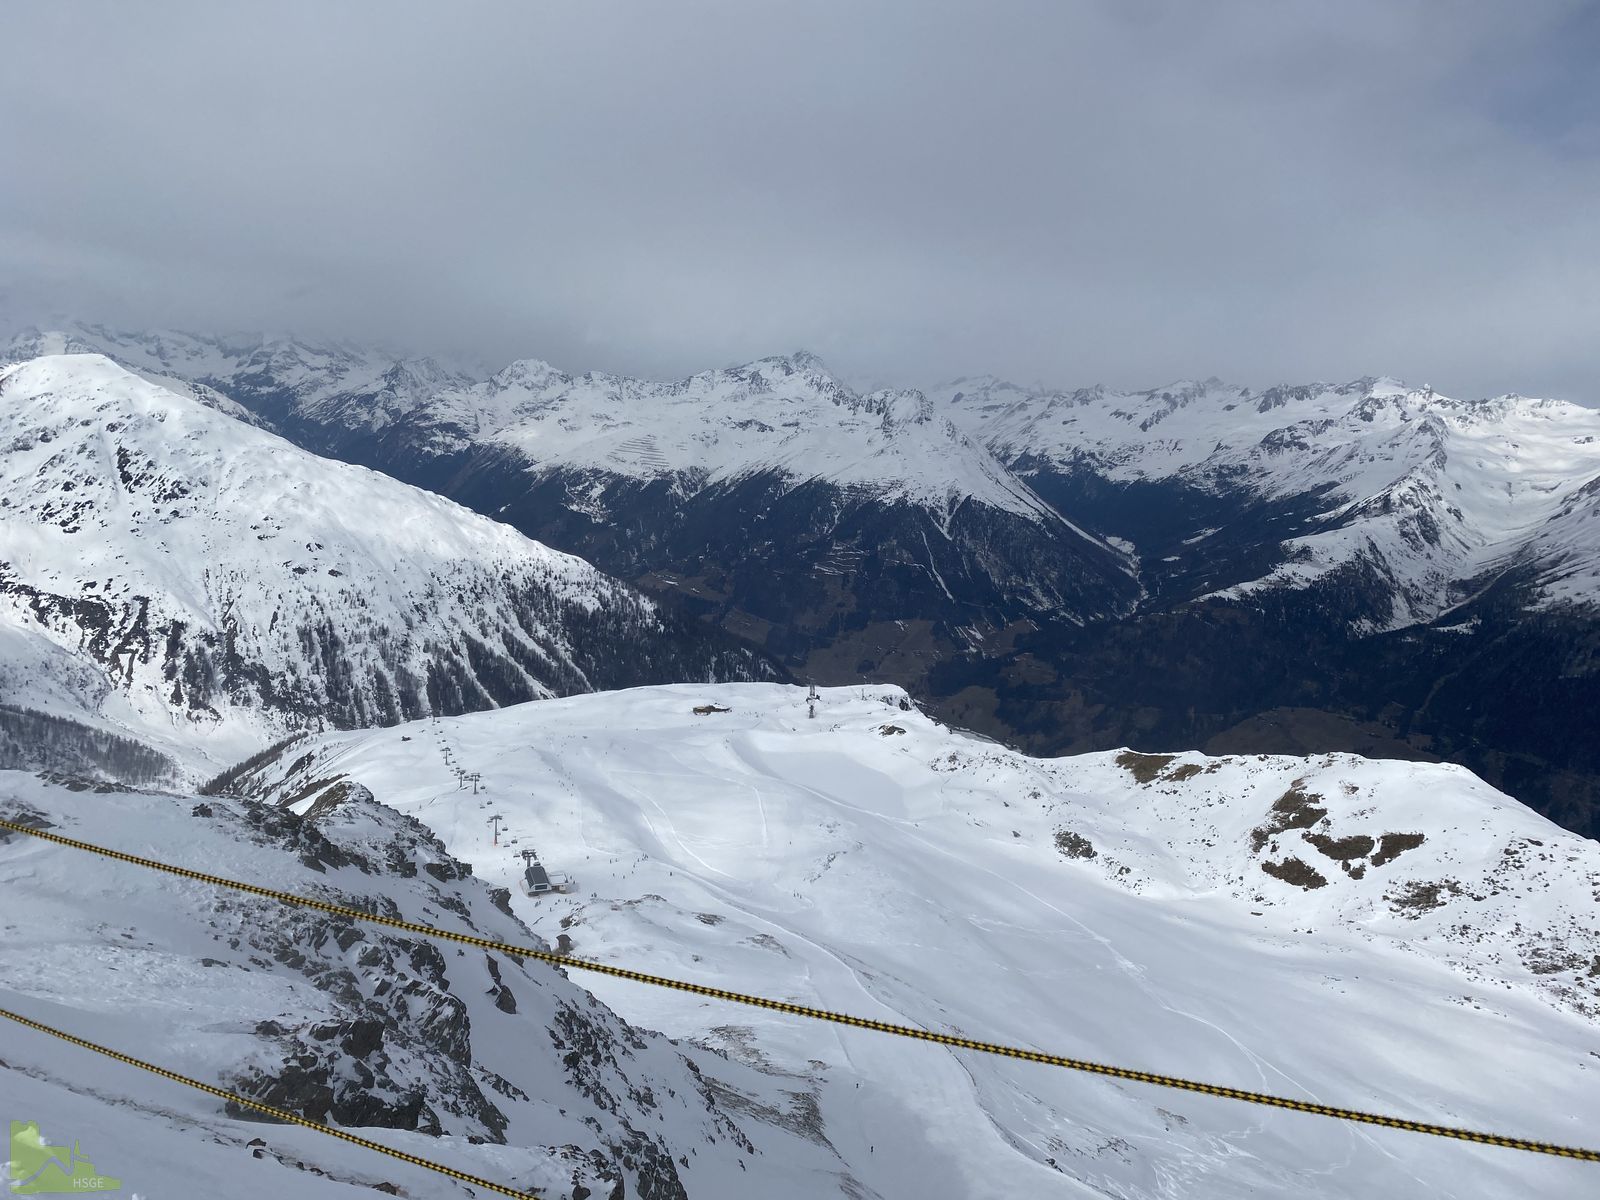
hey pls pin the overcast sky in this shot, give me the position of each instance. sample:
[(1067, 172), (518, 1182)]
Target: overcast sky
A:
[(1069, 192)]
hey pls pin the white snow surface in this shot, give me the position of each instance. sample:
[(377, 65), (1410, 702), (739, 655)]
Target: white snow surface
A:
[(182, 975), (873, 862), (1434, 492), (115, 491)]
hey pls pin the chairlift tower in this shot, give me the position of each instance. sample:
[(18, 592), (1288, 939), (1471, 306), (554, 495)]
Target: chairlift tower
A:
[(495, 822)]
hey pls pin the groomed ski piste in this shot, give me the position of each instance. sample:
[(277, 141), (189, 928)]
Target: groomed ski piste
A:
[(1160, 913)]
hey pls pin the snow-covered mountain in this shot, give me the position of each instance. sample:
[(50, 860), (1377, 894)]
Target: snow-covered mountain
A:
[(1387, 936), (1424, 496), (797, 511), (273, 375), (170, 572), (1198, 565), (1429, 496), (1317, 567), (1367, 566), (783, 415), (493, 1065), (831, 527), (786, 416)]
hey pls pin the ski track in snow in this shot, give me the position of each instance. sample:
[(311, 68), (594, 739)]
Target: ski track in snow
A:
[(819, 847)]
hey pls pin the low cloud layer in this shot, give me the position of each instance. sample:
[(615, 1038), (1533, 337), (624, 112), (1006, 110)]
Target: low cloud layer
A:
[(1128, 192)]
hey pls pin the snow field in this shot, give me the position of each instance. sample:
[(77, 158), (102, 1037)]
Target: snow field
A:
[(914, 876)]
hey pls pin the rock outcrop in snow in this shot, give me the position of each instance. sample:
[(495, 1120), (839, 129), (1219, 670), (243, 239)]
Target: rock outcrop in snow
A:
[(499, 1066)]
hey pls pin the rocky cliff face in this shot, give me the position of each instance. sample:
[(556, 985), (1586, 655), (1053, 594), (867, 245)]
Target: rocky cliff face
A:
[(348, 1023)]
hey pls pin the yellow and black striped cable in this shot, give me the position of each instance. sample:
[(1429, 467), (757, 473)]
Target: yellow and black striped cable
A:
[(267, 1109), (818, 1014)]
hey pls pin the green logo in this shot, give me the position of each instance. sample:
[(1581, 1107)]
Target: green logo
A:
[(37, 1169)]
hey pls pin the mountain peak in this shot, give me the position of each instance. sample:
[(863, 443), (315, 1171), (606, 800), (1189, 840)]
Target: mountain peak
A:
[(530, 373), (129, 506), (779, 366), (801, 360), (899, 407)]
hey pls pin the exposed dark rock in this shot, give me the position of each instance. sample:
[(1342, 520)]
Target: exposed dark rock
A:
[(19, 813), (504, 999), (1417, 897), (1073, 845)]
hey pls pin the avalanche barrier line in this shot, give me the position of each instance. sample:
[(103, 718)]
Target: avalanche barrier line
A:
[(269, 1110), (819, 1014)]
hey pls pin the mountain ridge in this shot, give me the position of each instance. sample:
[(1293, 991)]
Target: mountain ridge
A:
[(1370, 441), (1058, 568), (222, 585)]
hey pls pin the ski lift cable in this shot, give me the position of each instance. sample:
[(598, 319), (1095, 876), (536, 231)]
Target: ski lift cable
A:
[(954, 1041)]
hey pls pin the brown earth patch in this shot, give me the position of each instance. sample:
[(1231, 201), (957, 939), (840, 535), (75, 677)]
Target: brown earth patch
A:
[(1395, 844), (1144, 767), (1295, 809), (1417, 897), (1345, 849), (1293, 870)]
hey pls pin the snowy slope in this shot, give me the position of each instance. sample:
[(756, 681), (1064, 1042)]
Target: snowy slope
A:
[(1565, 551), (218, 585), (494, 1066), (1432, 493), (1389, 936), (147, 356)]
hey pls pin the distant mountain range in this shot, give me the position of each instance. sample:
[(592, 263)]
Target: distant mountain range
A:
[(1361, 566)]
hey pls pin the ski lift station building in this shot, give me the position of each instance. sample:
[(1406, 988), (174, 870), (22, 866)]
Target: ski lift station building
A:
[(536, 881)]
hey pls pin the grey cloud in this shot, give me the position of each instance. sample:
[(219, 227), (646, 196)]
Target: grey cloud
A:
[(1125, 191)]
